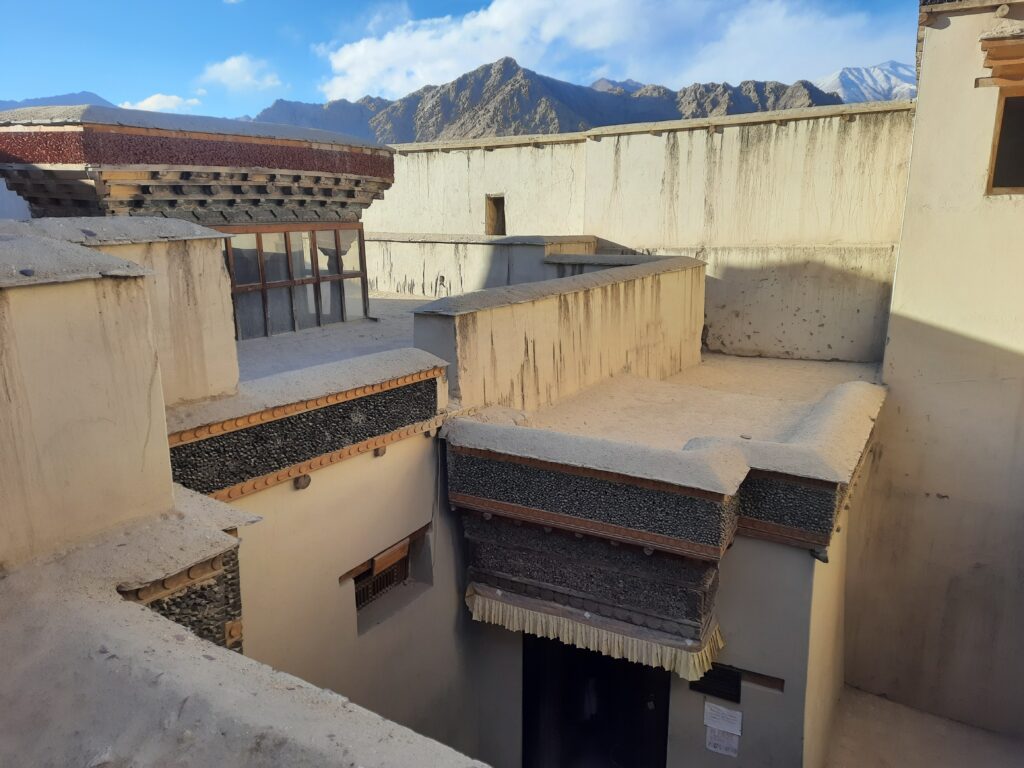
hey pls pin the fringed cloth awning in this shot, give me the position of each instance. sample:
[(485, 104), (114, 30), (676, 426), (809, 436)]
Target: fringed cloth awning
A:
[(573, 626)]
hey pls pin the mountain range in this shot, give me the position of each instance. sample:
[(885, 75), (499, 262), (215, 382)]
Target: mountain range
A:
[(504, 99), (882, 82), (64, 99)]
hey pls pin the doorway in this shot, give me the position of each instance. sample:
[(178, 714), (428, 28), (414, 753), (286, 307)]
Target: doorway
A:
[(585, 710)]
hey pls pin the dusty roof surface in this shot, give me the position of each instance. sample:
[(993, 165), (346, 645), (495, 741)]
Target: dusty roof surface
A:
[(717, 469), (392, 329), (91, 679), (302, 384), (803, 418), (137, 118), (110, 230), (27, 260), (526, 292)]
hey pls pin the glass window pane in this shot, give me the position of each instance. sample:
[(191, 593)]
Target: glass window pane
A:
[(327, 254), (249, 315), (275, 259), (247, 267), (279, 304), (305, 305), (330, 301), (349, 250), (302, 260), (353, 297)]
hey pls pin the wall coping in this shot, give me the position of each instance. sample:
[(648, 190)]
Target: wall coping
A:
[(596, 134), (428, 237), (523, 293)]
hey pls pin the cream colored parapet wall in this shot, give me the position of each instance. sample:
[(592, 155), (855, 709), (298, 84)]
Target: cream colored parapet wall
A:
[(82, 426), (189, 293), (526, 346), (823, 176)]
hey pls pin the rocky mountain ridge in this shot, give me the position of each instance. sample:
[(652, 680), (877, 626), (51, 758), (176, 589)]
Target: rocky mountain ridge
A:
[(505, 99)]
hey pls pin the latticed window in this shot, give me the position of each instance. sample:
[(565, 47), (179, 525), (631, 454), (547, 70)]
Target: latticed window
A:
[(292, 277), (370, 585)]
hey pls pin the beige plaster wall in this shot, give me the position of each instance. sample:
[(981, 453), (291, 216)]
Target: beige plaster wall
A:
[(82, 430), (532, 353), (936, 589), (825, 656), (416, 665), (839, 177), (445, 268), (190, 301), (444, 191), (828, 302), (797, 218), (764, 609)]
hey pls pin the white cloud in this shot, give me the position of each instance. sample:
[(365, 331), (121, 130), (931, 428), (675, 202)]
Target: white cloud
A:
[(671, 42), (162, 102), (241, 73), (786, 40), (232, 2)]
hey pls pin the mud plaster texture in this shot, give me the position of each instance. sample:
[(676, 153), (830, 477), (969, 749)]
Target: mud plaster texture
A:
[(155, 694), (306, 381), (689, 518), (28, 259), (390, 328), (659, 591), (705, 428), (224, 460), (115, 230)]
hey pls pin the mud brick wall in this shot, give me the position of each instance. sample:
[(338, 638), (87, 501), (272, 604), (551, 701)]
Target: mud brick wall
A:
[(205, 608), (805, 508), (224, 460), (690, 518), (659, 591)]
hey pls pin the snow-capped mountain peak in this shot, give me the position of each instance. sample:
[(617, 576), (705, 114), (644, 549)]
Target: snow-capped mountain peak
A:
[(882, 82)]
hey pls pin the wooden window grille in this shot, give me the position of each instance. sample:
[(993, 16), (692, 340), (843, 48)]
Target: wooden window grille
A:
[(289, 277), (370, 585)]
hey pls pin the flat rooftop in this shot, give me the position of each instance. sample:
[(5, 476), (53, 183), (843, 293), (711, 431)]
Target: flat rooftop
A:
[(725, 396), (392, 329)]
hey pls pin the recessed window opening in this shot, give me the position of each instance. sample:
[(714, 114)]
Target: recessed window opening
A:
[(494, 222), (1008, 165), (397, 565), (290, 277)]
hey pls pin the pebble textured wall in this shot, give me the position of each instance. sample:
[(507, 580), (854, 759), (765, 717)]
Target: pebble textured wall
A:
[(807, 509), (689, 518), (206, 607), (224, 460), (659, 591)]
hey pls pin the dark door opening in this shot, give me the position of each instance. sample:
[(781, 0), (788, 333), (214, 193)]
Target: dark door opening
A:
[(585, 710), (494, 220)]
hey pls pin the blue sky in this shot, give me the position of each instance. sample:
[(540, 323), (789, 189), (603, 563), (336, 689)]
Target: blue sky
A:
[(233, 57)]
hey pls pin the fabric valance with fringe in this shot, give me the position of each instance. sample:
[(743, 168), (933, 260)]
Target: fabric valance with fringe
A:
[(573, 626)]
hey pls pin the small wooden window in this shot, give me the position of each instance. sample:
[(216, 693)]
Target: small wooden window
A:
[(494, 223), (1008, 159), (395, 566)]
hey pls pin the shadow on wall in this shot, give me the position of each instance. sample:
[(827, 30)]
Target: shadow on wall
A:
[(812, 304), (936, 583), (11, 205)]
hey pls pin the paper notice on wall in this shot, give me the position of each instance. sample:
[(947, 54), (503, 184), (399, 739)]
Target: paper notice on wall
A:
[(722, 742), (723, 718)]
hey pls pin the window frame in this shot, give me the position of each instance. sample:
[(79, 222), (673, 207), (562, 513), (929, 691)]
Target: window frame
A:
[(1007, 92), (288, 230)]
